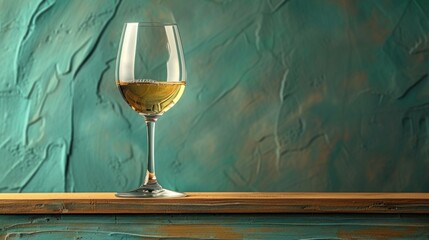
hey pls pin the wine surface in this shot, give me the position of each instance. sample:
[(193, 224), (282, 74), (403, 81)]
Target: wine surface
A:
[(150, 97)]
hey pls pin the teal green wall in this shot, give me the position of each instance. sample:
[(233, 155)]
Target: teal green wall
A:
[(281, 96)]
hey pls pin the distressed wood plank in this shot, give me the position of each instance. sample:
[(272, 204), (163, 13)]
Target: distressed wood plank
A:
[(216, 226), (226, 202)]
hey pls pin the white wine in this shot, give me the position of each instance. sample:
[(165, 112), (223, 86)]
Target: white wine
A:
[(150, 97)]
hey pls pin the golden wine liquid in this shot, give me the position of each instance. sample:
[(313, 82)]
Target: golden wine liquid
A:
[(151, 97)]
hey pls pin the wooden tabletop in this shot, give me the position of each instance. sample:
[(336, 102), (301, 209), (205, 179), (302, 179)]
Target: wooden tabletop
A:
[(219, 202)]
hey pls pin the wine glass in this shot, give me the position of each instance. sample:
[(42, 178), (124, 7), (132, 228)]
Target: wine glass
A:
[(151, 76)]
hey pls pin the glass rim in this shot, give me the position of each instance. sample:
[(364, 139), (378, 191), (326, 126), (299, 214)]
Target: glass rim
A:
[(152, 24)]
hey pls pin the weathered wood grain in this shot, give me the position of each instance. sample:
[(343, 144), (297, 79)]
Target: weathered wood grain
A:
[(215, 226), (244, 202)]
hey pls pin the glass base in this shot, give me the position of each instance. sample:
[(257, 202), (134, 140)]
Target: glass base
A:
[(144, 193)]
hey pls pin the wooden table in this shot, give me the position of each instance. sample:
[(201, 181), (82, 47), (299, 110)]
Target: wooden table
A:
[(215, 215)]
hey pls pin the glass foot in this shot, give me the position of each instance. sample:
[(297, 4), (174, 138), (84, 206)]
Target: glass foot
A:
[(144, 193)]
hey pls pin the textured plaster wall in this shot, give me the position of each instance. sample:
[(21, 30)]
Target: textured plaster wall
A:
[(281, 96)]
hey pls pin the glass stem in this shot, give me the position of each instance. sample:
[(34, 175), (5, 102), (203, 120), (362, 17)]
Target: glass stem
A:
[(150, 175), (150, 183)]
